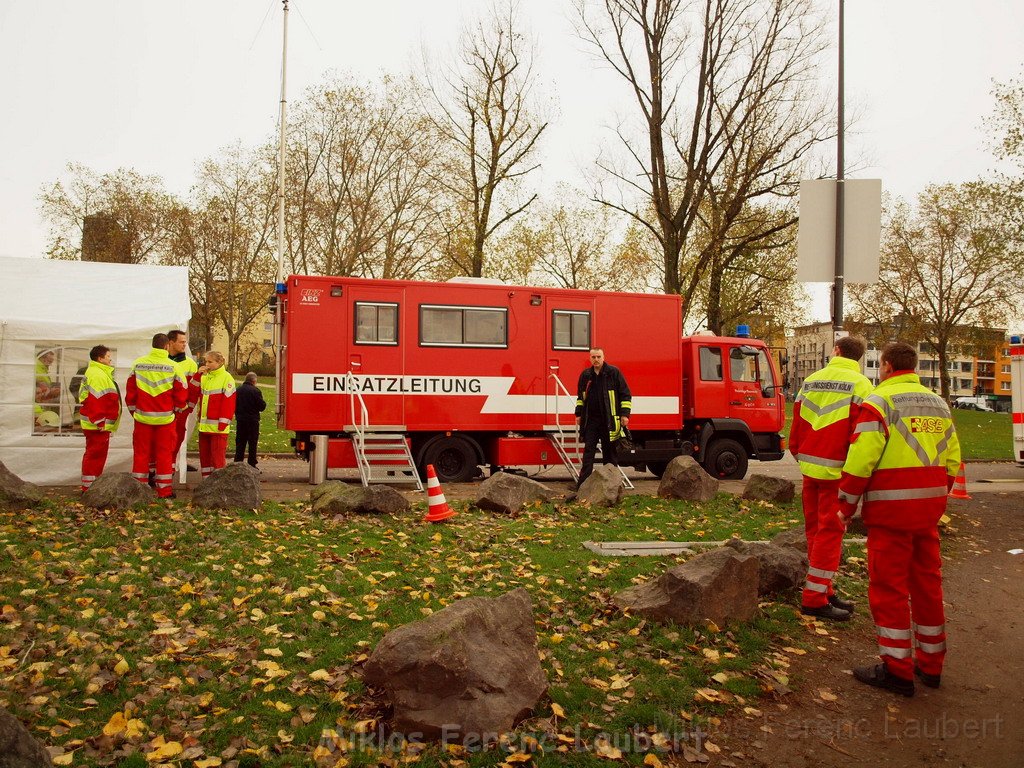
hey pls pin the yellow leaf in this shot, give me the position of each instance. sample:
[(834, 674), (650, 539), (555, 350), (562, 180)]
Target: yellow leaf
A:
[(365, 726), (275, 652), (209, 762), (64, 759), (827, 695), (652, 760), (557, 709), (711, 654), (710, 747), (518, 757), (164, 750), (721, 677), (355, 616), (117, 724), (319, 615), (121, 668), (320, 674), (606, 750), (282, 706), (136, 729), (712, 627)]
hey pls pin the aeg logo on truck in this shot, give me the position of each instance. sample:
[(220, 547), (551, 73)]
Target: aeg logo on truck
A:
[(310, 296)]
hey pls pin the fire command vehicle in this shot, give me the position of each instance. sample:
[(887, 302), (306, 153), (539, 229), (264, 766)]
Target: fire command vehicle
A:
[(1017, 396), (389, 376)]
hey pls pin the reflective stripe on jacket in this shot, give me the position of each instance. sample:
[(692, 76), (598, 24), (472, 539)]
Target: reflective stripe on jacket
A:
[(215, 391), (824, 414), (904, 457), (155, 390), (611, 387), (187, 367), (100, 398)]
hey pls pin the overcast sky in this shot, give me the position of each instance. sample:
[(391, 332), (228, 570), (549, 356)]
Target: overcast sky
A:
[(159, 86)]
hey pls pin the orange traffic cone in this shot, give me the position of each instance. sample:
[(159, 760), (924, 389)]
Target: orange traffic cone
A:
[(960, 485), (437, 506)]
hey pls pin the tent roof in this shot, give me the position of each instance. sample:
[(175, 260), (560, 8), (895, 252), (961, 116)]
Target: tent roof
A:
[(70, 300)]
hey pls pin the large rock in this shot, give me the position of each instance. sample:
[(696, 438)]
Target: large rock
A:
[(117, 490), (507, 494), (337, 498), (15, 493), (793, 538), (236, 486), (765, 488), (685, 479), (467, 670), (720, 585), (603, 488), (17, 747), (781, 568)]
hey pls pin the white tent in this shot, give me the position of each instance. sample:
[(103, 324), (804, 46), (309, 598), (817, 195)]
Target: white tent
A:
[(67, 307)]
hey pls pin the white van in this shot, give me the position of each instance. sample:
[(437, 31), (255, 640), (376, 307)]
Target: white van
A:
[(979, 403)]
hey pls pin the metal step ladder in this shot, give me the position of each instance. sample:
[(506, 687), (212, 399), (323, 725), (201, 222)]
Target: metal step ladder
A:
[(570, 450), (384, 457)]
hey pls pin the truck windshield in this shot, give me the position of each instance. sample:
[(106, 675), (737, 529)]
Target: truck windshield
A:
[(750, 368)]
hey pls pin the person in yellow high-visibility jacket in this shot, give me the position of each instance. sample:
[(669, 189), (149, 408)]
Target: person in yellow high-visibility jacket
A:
[(824, 415), (213, 389), (902, 463)]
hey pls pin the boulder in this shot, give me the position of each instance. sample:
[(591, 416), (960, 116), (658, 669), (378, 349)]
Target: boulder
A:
[(781, 568), (685, 479), (117, 490), (773, 489), (18, 749), (506, 493), (468, 670), (792, 538), (603, 488), (236, 486), (720, 586), (15, 493), (337, 498)]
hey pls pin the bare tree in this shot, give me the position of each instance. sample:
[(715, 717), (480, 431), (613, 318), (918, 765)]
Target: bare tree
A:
[(226, 240), (724, 90), (484, 112), (360, 173), (137, 207), (949, 266)]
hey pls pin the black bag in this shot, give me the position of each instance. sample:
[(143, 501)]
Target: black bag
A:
[(625, 448)]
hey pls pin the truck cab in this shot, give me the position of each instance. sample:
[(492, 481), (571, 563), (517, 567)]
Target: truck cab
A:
[(733, 403)]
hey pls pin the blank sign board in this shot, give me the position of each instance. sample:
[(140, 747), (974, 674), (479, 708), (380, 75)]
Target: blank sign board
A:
[(816, 238)]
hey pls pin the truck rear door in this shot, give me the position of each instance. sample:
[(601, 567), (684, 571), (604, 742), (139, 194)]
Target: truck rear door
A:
[(375, 351)]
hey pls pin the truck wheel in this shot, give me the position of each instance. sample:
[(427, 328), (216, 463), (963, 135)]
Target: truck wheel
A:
[(657, 468), (726, 460), (454, 459)]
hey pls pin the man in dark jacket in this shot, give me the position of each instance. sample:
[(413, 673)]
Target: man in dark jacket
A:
[(249, 403), (603, 404)]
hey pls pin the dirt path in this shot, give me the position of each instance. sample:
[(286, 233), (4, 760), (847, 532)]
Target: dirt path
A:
[(975, 720)]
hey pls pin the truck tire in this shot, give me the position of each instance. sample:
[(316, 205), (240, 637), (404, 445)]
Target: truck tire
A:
[(454, 459), (725, 459), (657, 468)]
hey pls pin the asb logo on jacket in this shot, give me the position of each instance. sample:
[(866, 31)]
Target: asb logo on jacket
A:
[(926, 424)]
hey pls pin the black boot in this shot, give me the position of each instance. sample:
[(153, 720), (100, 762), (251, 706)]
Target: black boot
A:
[(843, 605), (879, 677), (932, 681), (826, 611)]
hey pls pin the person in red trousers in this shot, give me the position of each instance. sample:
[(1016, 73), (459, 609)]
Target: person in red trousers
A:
[(100, 413), (155, 393), (823, 418), (213, 389), (902, 464)]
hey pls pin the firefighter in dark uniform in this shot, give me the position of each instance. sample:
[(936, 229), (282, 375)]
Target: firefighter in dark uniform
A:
[(603, 404)]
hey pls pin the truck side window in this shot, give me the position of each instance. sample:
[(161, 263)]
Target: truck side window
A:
[(742, 367), (710, 364), (446, 326), (376, 323), (570, 330)]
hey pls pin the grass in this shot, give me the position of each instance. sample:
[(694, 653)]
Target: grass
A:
[(238, 636)]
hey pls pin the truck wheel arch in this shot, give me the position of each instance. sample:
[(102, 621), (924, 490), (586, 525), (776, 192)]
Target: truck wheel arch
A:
[(455, 457)]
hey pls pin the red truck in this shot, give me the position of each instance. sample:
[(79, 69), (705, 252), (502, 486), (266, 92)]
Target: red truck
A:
[(392, 375)]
